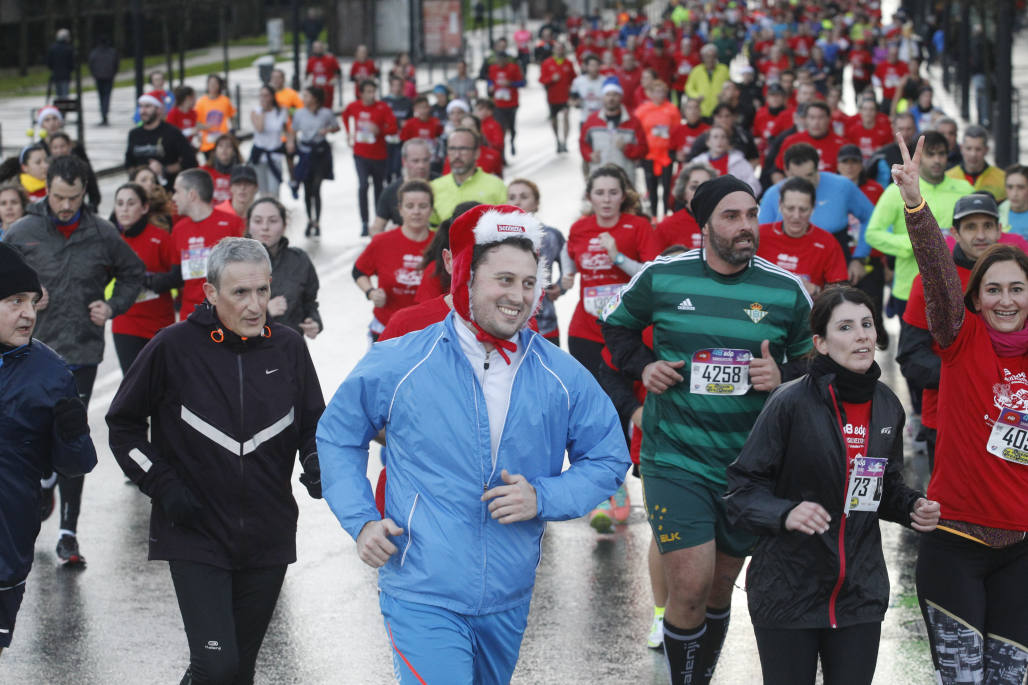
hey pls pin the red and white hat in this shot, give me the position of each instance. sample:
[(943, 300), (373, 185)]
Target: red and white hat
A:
[(482, 225)]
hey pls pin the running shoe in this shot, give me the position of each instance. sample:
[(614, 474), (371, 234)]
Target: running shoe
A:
[(46, 502), (68, 551), (599, 518), (656, 637), (620, 506)]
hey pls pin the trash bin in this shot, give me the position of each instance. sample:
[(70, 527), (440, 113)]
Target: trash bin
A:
[(265, 65)]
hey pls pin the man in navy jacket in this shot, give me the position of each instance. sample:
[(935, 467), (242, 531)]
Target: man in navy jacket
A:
[(43, 427)]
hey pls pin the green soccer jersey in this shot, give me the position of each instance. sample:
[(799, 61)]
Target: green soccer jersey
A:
[(716, 324)]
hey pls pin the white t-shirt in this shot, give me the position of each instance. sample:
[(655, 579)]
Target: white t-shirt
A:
[(274, 126), (496, 381), (590, 91)]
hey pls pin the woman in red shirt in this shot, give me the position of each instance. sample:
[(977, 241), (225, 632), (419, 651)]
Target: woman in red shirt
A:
[(394, 257), (971, 571), (151, 312), (606, 249)]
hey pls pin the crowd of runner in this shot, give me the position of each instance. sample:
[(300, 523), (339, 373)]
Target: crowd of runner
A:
[(743, 236)]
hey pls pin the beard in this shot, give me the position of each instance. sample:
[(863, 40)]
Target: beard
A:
[(726, 249)]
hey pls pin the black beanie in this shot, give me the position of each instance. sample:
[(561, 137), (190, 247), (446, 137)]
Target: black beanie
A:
[(15, 275), (709, 193)]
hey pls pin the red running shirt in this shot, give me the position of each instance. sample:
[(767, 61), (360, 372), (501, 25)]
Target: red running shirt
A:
[(181, 120), (221, 184), (416, 128), (193, 241), (323, 71), (367, 141), (394, 259), (678, 229), (505, 93), (556, 78), (600, 279), (827, 147), (869, 140), (416, 317), (979, 474), (815, 257), (151, 312)]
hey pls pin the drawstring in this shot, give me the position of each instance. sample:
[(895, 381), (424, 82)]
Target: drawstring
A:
[(218, 335)]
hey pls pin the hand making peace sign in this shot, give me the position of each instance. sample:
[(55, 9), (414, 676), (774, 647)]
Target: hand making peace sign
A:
[(907, 175)]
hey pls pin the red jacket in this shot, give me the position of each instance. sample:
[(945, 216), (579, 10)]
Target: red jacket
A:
[(556, 79)]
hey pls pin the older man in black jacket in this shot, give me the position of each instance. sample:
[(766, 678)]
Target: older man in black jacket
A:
[(229, 399)]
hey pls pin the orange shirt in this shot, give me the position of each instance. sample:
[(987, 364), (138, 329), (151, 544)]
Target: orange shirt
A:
[(215, 114)]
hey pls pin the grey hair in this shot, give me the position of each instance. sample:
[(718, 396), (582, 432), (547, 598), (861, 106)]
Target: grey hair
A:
[(414, 142), (233, 250), (976, 131), (708, 48)]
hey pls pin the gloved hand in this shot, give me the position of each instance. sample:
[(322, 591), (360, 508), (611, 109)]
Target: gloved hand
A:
[(70, 418), (179, 503), (311, 476)]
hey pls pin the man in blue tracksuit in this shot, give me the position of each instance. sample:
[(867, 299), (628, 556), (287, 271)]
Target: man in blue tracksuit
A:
[(43, 427), (478, 412)]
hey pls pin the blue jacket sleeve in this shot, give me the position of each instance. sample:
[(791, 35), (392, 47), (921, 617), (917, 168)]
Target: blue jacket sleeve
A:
[(769, 206), (353, 417), (861, 208), (596, 451), (882, 173)]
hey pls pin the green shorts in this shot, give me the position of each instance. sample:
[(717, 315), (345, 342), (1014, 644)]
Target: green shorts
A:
[(686, 512)]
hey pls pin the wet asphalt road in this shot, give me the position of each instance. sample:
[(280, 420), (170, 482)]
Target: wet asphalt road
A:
[(117, 621)]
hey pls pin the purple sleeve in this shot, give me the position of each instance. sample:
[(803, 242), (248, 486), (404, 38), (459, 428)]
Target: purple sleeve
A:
[(944, 300)]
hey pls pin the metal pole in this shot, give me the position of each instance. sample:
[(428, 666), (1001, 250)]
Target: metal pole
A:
[(166, 36), (223, 16), (79, 59), (963, 70), (239, 108), (489, 22), (296, 44), (182, 47), (1005, 154), (137, 43)]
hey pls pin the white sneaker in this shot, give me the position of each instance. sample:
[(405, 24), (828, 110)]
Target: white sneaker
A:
[(656, 637)]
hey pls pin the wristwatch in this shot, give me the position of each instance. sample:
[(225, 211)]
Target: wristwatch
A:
[(619, 260)]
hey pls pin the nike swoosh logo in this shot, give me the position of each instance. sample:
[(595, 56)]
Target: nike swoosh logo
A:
[(268, 373)]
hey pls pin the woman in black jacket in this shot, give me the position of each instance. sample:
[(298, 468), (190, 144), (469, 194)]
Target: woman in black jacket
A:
[(294, 282), (820, 468)]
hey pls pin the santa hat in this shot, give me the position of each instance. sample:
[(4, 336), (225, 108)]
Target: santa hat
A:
[(483, 225), (46, 111)]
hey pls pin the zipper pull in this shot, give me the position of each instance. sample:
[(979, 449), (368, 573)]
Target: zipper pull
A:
[(485, 366)]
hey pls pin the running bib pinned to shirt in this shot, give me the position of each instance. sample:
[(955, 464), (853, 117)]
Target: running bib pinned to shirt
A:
[(194, 261), (502, 94), (596, 297), (1009, 437), (720, 371), (865, 488)]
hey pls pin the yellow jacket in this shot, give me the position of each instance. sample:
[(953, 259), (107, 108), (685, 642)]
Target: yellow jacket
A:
[(993, 179), (702, 84)]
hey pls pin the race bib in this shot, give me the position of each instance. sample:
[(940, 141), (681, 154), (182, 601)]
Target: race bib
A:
[(596, 297), (1009, 437), (720, 372), (865, 488), (661, 131), (194, 262), (365, 137), (502, 93), (145, 295), (394, 138)]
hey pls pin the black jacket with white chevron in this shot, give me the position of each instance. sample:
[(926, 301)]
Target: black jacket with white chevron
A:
[(227, 417)]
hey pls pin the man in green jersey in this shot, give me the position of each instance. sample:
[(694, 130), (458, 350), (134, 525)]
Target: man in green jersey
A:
[(724, 322)]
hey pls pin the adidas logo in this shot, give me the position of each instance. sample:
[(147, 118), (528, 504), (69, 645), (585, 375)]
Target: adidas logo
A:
[(686, 305)]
